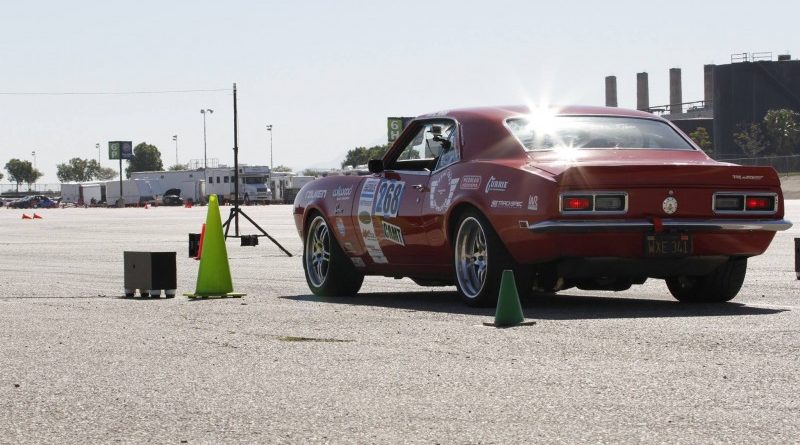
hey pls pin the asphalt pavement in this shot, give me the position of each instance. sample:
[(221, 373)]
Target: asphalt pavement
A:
[(397, 363)]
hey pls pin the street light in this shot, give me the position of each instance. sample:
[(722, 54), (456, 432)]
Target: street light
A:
[(175, 138), (33, 153), (97, 146), (269, 128), (205, 151)]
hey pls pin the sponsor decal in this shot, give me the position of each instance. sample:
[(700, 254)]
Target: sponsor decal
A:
[(523, 224), (358, 262), (507, 204), (340, 226), (442, 190), (748, 177), (471, 182), (316, 194), (342, 193), (495, 185), (366, 228), (393, 233), (390, 195), (339, 210), (533, 202), (348, 247)]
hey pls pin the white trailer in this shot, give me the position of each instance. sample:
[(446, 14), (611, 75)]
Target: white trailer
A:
[(94, 191), (253, 183), (70, 193), (134, 191), (191, 183), (82, 193)]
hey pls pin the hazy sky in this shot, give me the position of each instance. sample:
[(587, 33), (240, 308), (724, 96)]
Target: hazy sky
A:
[(326, 74)]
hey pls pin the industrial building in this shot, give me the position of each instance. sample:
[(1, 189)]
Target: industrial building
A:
[(740, 92)]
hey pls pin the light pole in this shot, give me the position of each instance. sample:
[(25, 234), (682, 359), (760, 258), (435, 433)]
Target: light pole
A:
[(269, 128), (175, 138), (33, 153), (97, 146), (205, 150)]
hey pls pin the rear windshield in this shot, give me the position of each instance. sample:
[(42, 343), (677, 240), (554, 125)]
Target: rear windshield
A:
[(594, 132)]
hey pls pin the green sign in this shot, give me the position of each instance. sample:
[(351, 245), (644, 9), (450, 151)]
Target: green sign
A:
[(120, 150)]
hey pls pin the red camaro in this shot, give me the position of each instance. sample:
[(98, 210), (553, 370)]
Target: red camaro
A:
[(587, 197)]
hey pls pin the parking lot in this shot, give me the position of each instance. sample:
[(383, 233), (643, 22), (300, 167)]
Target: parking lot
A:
[(397, 363)]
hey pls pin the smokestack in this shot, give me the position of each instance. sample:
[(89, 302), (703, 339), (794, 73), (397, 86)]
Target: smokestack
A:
[(611, 91), (642, 92), (708, 84), (675, 93)]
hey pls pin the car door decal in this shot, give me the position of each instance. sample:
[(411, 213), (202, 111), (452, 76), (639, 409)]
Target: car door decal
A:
[(367, 228), (390, 194), (442, 190)]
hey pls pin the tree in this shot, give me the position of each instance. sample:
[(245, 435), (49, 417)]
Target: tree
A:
[(313, 172), (145, 158), (104, 173), (21, 171), (282, 168), (782, 130), (178, 167), (750, 138), (701, 137), (32, 177), (362, 155), (1, 176), (82, 170)]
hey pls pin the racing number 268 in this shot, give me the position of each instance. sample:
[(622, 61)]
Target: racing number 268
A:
[(389, 194)]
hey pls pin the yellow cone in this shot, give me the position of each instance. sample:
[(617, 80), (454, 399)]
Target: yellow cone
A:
[(214, 275)]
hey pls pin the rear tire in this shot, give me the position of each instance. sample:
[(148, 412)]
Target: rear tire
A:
[(480, 259), (329, 272), (719, 286)]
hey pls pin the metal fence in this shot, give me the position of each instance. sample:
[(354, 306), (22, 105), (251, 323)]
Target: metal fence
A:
[(24, 189), (783, 164)]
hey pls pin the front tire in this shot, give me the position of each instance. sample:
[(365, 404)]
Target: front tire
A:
[(480, 258), (719, 286), (328, 270)]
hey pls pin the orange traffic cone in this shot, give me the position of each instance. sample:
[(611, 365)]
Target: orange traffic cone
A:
[(36, 216), (200, 246), (24, 216)]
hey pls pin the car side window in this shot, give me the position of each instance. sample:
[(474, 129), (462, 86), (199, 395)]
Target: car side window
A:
[(424, 151), (449, 153)]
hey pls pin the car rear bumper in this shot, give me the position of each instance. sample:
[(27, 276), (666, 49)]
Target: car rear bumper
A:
[(645, 225)]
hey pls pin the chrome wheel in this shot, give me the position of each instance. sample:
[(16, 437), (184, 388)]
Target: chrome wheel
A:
[(318, 251), (471, 257)]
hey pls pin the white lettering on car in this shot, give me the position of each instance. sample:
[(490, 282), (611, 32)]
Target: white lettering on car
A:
[(393, 233), (495, 185)]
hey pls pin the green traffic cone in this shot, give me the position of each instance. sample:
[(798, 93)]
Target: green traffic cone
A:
[(509, 308), (214, 274)]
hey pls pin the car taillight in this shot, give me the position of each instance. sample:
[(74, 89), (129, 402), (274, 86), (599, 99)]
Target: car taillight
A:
[(760, 203), (732, 202), (609, 203), (594, 202), (577, 203)]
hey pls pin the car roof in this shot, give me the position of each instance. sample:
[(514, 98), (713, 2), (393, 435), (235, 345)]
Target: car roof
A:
[(486, 137)]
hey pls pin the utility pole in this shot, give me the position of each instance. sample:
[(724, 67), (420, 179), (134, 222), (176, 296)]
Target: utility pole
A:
[(269, 128), (175, 138)]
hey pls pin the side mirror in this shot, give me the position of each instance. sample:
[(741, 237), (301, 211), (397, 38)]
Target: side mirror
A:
[(375, 165)]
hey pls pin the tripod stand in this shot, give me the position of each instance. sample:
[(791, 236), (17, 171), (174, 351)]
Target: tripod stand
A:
[(236, 211)]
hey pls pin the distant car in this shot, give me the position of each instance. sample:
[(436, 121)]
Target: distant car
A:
[(172, 197), (588, 197), (33, 202)]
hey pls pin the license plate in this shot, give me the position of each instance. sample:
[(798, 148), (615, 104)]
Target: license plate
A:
[(667, 245)]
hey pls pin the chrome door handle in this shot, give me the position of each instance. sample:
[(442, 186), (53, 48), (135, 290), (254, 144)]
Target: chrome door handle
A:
[(419, 187)]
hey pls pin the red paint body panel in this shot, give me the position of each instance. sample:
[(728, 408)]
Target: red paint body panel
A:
[(516, 190)]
